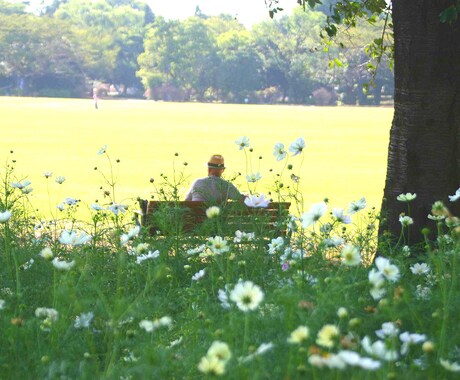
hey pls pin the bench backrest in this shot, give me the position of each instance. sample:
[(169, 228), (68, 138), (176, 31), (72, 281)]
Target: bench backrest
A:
[(168, 217)]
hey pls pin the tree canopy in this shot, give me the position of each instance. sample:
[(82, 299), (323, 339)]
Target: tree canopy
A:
[(424, 149), (201, 58)]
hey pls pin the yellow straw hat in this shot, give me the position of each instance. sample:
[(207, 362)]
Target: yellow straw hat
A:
[(216, 162)]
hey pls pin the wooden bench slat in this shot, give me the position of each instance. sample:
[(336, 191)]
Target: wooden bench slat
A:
[(189, 216)]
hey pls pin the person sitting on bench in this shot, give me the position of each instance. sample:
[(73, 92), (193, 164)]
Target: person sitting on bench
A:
[(213, 188)]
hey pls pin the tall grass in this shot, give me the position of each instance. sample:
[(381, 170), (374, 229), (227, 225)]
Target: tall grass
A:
[(102, 298)]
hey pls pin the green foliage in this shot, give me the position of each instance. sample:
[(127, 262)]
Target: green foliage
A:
[(76, 42), (11, 8), (344, 15), (105, 299), (33, 48), (112, 35), (450, 14), (285, 55)]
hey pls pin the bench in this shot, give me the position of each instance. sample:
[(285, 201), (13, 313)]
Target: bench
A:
[(189, 217)]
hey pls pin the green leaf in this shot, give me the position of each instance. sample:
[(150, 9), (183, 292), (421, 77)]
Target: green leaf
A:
[(338, 62), (448, 15), (312, 3), (331, 30)]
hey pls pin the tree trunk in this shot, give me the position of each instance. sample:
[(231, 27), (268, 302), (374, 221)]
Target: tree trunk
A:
[(424, 152)]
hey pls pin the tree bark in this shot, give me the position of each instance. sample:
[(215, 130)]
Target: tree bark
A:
[(424, 152)]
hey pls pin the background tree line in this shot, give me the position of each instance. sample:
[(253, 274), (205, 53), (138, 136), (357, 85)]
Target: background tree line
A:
[(72, 45)]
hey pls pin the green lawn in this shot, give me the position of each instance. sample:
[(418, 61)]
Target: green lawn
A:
[(345, 157)]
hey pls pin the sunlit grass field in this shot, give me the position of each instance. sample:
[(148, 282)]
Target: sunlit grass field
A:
[(345, 157)]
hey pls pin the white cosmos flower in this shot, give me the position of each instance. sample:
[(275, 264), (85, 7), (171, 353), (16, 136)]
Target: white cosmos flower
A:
[(5, 216), (299, 335), (196, 250), (124, 239), (62, 264), (83, 320), (292, 223), (223, 298), (377, 293), (342, 312), (335, 241), (217, 245), (20, 185), (257, 201), (389, 271), (254, 177), (349, 357), (436, 218), (132, 233), (27, 264), (47, 253), (26, 190), (356, 206), (241, 236), (199, 275), (405, 220), (175, 342), (376, 278), (219, 350), (211, 365), (117, 208), (406, 197), (329, 361), (454, 197), (420, 269), (70, 201), (297, 146), (242, 142), (350, 255), (312, 216), (47, 174), (279, 152), (275, 245), (338, 213), (59, 179), (102, 150), (151, 255), (388, 330), (352, 358), (369, 364), (96, 207), (72, 238), (262, 349), (45, 312), (450, 366), (409, 339), (327, 335), (149, 326), (246, 295), (212, 212), (377, 281), (406, 250), (378, 349), (165, 321), (146, 325)]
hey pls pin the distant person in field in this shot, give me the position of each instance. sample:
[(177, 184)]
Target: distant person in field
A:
[(95, 98), (213, 188)]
